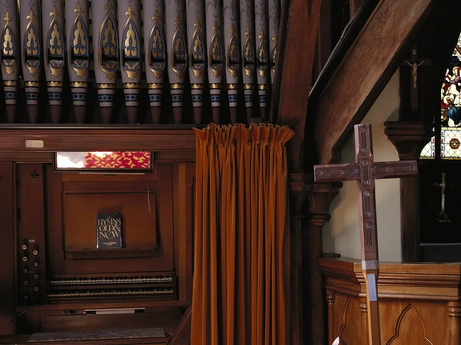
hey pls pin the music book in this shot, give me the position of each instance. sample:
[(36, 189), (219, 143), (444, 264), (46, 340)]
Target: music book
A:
[(108, 230)]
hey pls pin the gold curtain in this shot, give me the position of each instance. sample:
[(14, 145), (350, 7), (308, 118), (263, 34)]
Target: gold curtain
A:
[(241, 219)]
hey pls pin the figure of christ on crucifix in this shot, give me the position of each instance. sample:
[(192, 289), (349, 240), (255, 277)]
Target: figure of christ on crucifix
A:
[(365, 171), (415, 62)]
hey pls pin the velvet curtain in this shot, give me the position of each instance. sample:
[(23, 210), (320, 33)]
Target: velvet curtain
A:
[(241, 218)]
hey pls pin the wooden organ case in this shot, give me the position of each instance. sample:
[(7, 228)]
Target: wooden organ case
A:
[(54, 279)]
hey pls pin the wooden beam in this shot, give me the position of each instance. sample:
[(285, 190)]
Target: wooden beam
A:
[(96, 138), (364, 71), (299, 27)]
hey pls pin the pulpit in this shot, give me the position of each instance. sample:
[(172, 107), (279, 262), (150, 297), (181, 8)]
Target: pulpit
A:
[(419, 303)]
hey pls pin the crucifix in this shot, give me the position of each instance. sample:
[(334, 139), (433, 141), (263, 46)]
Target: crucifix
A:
[(414, 62), (365, 171), (442, 217)]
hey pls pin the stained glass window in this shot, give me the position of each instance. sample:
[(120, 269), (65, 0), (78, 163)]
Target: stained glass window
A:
[(450, 112)]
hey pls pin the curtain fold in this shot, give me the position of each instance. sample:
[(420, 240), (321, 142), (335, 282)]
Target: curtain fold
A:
[(241, 216)]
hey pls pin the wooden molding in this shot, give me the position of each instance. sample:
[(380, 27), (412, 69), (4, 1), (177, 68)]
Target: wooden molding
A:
[(95, 138), (320, 200), (408, 137)]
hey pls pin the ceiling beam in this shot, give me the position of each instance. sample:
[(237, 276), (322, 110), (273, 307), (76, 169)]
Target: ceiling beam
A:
[(362, 74)]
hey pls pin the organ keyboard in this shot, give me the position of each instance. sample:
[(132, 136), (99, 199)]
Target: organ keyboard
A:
[(98, 288), (62, 282), (111, 280)]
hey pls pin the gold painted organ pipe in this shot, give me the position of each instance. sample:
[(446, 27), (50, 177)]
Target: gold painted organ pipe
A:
[(53, 54), (215, 52), (274, 19), (232, 54), (155, 54), (106, 54), (263, 54), (226, 41), (10, 54), (197, 55), (31, 54), (248, 53), (129, 21), (175, 15), (78, 54)]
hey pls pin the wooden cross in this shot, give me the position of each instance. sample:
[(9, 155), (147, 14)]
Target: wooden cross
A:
[(365, 171), (442, 217), (414, 63)]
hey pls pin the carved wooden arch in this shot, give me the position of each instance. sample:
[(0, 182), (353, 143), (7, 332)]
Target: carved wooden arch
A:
[(410, 315)]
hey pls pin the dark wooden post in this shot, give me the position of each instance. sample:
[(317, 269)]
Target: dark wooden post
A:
[(299, 22), (409, 138), (319, 201)]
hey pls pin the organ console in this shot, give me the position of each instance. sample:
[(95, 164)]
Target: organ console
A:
[(55, 281)]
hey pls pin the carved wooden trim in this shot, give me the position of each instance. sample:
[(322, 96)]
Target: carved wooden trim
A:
[(363, 320), (422, 281), (409, 138), (330, 297), (454, 322), (320, 200)]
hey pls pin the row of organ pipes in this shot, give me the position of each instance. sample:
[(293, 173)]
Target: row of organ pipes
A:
[(219, 47)]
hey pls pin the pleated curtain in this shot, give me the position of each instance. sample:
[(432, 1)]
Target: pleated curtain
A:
[(241, 222)]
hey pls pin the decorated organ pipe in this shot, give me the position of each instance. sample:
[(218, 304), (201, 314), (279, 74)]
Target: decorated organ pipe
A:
[(155, 54), (233, 55), (78, 54), (274, 19), (129, 21), (215, 52), (53, 54), (248, 53), (31, 54), (106, 55), (197, 55), (177, 50), (10, 55), (263, 54), (197, 51)]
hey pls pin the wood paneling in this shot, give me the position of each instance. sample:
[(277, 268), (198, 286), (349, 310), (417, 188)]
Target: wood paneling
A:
[(7, 178), (75, 200), (418, 303)]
